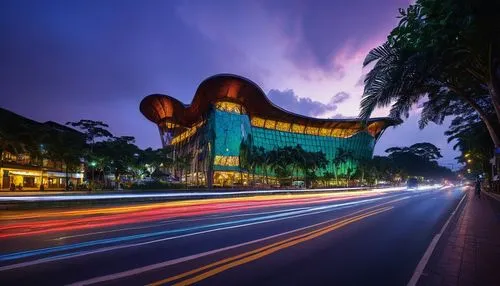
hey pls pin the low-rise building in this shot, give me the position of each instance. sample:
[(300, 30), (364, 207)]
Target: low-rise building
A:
[(21, 171)]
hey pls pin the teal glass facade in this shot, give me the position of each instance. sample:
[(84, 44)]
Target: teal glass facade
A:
[(231, 128)]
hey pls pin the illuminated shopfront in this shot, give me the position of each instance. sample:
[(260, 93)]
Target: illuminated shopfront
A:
[(23, 177), (228, 110)]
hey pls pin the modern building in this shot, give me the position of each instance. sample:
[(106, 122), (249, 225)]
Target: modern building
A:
[(227, 110), (23, 170)]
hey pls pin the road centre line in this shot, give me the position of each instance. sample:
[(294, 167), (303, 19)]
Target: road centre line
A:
[(263, 251), (151, 267)]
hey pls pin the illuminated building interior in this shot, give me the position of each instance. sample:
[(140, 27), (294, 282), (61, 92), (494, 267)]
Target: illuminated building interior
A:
[(228, 111)]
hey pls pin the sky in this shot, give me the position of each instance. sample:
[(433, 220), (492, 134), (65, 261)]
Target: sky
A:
[(95, 59)]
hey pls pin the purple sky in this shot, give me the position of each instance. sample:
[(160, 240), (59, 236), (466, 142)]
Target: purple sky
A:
[(68, 60)]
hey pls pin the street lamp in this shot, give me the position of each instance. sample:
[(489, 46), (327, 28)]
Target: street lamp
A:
[(93, 164), (469, 161), (467, 155)]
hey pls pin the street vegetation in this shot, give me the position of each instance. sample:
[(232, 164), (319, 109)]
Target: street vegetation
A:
[(444, 55)]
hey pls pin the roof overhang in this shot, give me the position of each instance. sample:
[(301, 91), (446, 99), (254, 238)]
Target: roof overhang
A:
[(160, 108)]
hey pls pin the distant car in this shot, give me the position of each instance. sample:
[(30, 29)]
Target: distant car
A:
[(299, 184), (412, 183)]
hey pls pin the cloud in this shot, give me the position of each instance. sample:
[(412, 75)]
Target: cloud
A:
[(290, 101), (339, 97), (340, 116), (318, 30)]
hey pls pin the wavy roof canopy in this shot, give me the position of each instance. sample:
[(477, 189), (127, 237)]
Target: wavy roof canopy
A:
[(160, 108)]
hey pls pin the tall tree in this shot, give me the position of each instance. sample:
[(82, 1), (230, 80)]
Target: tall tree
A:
[(442, 50), (118, 155), (470, 137), (93, 130)]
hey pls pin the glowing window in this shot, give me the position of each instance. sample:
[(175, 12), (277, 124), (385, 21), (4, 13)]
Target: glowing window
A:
[(312, 130), (226, 160), (282, 126), (270, 124), (297, 128), (325, 131), (230, 107), (257, 122), (186, 134)]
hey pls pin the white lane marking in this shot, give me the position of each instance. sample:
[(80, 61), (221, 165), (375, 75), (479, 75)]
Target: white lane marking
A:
[(111, 248), (174, 221), (151, 267), (430, 249), (116, 230)]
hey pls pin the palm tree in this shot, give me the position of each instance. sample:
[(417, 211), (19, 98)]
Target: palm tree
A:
[(313, 161), (447, 59), (258, 160), (299, 160), (279, 161), (341, 157)]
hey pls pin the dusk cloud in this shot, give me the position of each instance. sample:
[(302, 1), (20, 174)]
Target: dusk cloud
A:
[(340, 116), (288, 100)]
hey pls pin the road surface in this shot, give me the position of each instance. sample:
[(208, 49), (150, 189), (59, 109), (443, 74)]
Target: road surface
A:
[(361, 238)]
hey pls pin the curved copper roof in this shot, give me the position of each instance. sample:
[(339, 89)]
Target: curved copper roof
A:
[(160, 108)]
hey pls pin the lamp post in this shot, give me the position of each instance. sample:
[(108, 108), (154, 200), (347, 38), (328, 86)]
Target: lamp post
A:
[(93, 164)]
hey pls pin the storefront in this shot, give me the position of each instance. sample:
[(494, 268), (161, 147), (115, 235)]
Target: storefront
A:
[(31, 179)]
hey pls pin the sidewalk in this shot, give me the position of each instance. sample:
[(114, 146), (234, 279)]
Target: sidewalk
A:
[(468, 253)]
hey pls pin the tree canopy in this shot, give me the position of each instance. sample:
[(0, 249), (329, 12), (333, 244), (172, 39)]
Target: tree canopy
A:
[(442, 52)]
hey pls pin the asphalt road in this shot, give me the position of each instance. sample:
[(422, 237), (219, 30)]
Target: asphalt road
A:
[(365, 239)]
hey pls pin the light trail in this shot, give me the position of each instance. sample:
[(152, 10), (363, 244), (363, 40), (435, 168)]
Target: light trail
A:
[(200, 229), (84, 219), (211, 217), (179, 194), (50, 226), (11, 215)]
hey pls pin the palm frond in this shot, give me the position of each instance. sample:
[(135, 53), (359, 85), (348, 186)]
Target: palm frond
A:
[(377, 53)]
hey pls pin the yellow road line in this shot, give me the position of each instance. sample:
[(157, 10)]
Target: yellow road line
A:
[(263, 251)]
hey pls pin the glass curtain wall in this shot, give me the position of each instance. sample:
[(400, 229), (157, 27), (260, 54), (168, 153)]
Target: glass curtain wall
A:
[(215, 144)]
